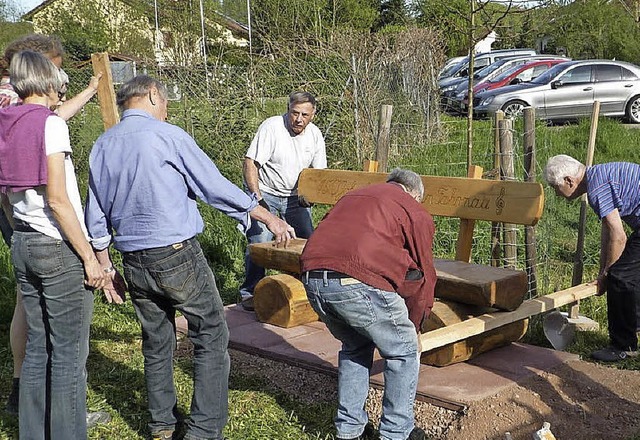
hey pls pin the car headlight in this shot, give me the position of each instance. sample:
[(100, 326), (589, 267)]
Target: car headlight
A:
[(487, 100), (461, 95), (449, 88), (480, 91)]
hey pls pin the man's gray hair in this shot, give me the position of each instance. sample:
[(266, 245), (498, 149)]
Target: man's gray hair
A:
[(136, 87), (32, 73), (561, 166), (301, 98), (410, 180)]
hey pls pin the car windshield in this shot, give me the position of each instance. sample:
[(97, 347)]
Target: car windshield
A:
[(547, 76), (504, 75), (485, 71), (454, 68)]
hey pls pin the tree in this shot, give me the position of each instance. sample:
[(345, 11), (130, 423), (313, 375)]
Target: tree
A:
[(392, 13)]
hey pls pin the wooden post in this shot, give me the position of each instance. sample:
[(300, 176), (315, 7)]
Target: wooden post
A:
[(507, 173), (106, 95), (578, 265), (496, 227), (370, 166), (530, 176), (384, 137), (465, 235)]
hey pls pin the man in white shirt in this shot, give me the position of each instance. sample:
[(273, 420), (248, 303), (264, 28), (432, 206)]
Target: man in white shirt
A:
[(283, 146)]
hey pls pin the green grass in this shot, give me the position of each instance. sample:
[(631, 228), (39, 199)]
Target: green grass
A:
[(257, 409)]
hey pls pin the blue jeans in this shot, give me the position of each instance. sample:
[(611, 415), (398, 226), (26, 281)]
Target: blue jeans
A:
[(290, 210), (161, 281), (53, 382), (364, 318)]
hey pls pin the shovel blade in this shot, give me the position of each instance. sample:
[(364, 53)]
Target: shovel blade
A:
[(558, 330)]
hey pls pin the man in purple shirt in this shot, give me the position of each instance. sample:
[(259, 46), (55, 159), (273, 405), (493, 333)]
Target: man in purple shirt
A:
[(613, 192), (145, 175)]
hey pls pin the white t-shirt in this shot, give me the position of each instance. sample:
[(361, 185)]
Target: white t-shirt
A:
[(282, 156), (30, 206)]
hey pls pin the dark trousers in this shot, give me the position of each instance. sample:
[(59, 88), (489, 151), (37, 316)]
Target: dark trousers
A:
[(623, 296)]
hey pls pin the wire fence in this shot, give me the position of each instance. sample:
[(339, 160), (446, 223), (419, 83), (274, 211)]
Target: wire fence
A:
[(222, 108)]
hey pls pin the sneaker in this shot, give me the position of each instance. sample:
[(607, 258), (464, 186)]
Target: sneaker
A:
[(247, 304), (97, 418), (612, 354), (163, 435), (13, 400)]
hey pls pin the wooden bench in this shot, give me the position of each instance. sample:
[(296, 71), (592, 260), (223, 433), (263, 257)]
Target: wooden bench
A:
[(473, 298)]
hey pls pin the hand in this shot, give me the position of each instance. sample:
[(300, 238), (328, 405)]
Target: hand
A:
[(304, 203), (281, 230), (601, 282), (95, 275), (264, 204), (95, 81), (114, 290)]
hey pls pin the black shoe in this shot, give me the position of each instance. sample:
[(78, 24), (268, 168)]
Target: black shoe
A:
[(417, 434), (14, 398), (612, 354), (247, 304), (369, 433)]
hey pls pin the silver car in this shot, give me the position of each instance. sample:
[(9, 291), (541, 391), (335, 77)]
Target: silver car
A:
[(568, 90)]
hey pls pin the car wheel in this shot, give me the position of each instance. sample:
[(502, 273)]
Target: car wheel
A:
[(513, 109), (633, 110)]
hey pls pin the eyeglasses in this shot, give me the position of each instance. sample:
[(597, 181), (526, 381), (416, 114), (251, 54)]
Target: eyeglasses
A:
[(62, 91)]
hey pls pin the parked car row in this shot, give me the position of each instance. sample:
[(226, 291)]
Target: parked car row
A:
[(558, 88)]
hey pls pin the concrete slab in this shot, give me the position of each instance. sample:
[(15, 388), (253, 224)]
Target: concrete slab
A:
[(454, 387)]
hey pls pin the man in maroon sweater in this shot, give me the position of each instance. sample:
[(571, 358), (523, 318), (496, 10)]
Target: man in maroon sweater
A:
[(368, 272)]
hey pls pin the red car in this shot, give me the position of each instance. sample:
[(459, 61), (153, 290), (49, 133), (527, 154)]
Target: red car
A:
[(516, 75)]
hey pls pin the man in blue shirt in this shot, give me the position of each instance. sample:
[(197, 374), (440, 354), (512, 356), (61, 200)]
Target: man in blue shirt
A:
[(613, 192), (145, 175)]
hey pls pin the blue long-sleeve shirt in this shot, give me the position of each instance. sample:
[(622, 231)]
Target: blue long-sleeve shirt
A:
[(145, 175)]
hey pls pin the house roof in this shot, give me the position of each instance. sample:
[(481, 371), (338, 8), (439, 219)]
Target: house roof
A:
[(147, 6)]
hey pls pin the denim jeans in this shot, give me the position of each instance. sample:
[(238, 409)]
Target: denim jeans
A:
[(53, 382), (364, 318), (290, 210), (161, 281)]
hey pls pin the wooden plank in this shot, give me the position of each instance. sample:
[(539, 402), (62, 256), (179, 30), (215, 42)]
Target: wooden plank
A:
[(283, 259), (457, 280), (106, 95), (465, 234), (477, 199), (445, 313), (480, 285), (484, 323)]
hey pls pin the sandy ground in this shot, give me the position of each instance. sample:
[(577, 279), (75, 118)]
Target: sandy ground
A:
[(581, 401)]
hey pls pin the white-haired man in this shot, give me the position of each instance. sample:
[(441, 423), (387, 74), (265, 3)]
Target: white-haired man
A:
[(613, 192)]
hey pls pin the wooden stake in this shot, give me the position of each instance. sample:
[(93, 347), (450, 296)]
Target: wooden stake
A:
[(578, 265), (384, 137), (496, 227), (507, 173), (106, 95), (465, 235), (530, 176)]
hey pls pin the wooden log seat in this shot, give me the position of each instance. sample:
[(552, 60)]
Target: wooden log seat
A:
[(282, 301), (445, 313), (468, 283)]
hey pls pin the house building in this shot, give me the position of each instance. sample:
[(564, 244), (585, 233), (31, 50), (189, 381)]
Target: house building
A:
[(169, 32)]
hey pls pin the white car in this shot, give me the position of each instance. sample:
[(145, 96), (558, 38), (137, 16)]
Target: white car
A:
[(568, 91)]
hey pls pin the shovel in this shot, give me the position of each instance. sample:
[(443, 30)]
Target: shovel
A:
[(560, 329)]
